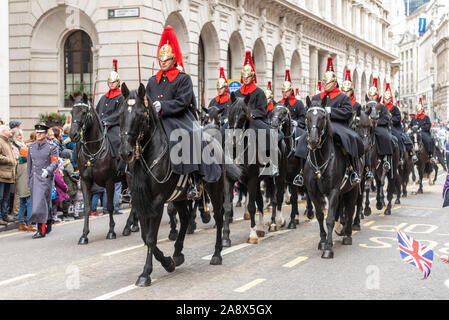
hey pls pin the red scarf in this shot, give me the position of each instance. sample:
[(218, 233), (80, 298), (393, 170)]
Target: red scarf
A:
[(421, 116), (333, 94), (170, 74), (270, 107), (390, 106), (245, 90), (222, 99), (291, 101), (353, 100), (111, 94)]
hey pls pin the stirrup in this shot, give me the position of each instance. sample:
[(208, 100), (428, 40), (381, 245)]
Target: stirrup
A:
[(274, 170), (414, 158), (354, 179), (432, 160), (387, 166), (194, 193), (298, 180), (369, 176)]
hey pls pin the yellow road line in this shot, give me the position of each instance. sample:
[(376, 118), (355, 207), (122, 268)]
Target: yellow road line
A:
[(250, 285)]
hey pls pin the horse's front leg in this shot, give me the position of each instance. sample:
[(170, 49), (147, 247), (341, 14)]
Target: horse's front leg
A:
[(131, 224), (184, 215), (349, 203), (217, 205), (330, 223), (86, 186), (319, 207), (367, 210), (255, 232), (227, 206), (273, 197), (171, 211), (421, 176), (294, 204), (110, 191)]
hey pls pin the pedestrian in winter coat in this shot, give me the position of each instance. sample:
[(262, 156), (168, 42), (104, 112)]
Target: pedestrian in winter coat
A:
[(7, 172), (42, 163), (61, 191)]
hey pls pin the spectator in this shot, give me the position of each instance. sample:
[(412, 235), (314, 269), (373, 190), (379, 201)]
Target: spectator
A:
[(21, 189), (42, 162), (57, 138), (97, 193), (61, 191), (17, 144), (66, 137), (117, 193), (69, 180), (7, 172), (31, 139), (78, 206), (1, 122), (15, 124)]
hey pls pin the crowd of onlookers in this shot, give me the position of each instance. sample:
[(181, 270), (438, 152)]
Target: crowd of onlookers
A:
[(67, 198)]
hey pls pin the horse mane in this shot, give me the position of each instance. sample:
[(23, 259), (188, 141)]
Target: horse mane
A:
[(238, 107)]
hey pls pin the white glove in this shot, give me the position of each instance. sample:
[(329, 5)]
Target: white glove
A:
[(294, 123), (157, 106), (328, 109), (44, 173)]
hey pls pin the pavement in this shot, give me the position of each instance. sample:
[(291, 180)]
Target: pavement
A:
[(284, 265)]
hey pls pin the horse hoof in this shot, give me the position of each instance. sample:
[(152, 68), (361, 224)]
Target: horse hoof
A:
[(126, 232), (340, 233), (226, 243), (367, 211), (170, 265), (309, 214), (297, 221), (179, 260), (83, 241), (273, 228), (173, 235), (260, 233), (355, 227), (135, 228), (143, 281), (321, 246), (111, 236), (327, 254), (190, 229), (387, 212), (216, 261), (379, 206), (397, 201), (420, 191), (283, 224), (231, 220), (205, 217), (292, 225), (404, 195), (362, 216), (347, 241), (253, 240), (246, 216)]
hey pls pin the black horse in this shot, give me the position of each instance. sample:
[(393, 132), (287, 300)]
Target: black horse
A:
[(326, 174), (281, 118), (95, 163), (423, 165), (363, 126), (377, 163), (246, 148), (144, 141)]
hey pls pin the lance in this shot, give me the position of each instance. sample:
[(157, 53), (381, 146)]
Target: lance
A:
[(138, 61)]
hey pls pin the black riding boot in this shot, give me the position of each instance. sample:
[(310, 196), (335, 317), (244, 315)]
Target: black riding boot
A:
[(41, 231), (354, 176), (194, 191), (401, 158), (299, 179), (387, 164)]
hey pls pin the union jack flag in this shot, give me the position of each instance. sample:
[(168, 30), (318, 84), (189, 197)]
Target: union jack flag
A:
[(415, 253)]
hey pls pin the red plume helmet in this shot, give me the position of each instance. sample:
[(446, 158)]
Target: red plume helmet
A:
[(388, 94), (329, 75), (114, 63), (330, 65), (373, 91), (287, 76), (169, 46), (246, 67), (320, 86), (269, 86), (348, 75), (222, 81), (398, 103), (297, 92)]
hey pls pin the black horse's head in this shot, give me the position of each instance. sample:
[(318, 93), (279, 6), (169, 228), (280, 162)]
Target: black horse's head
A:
[(372, 106), (239, 113), (280, 116), (317, 123), (134, 114), (80, 112), (416, 138), (213, 116), (363, 125)]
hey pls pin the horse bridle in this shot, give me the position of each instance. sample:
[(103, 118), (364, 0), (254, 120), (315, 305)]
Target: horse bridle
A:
[(323, 131), (140, 150), (92, 157)]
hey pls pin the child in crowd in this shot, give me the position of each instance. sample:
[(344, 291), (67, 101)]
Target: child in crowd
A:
[(78, 206)]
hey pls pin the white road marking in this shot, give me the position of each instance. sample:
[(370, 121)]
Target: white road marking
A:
[(446, 283), (369, 223), (122, 250), (244, 245), (250, 285), (116, 293), (293, 263), (5, 282)]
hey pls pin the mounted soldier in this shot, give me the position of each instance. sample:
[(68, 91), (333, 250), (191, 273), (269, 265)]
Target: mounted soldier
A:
[(108, 110), (222, 100), (339, 108), (296, 107), (423, 122), (383, 138), (270, 99), (257, 103), (348, 89), (171, 91)]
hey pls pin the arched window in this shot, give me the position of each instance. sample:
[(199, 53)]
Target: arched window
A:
[(78, 64)]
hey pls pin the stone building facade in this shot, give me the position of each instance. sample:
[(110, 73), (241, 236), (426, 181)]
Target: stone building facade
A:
[(56, 43)]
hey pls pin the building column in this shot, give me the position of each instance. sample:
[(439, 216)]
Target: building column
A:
[(313, 70)]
